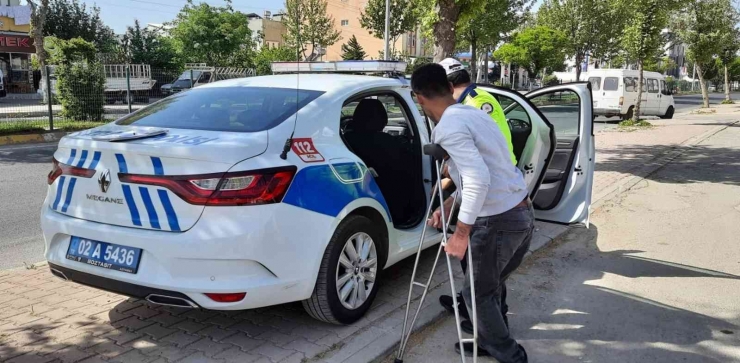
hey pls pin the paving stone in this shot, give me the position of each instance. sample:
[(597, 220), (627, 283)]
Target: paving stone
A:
[(209, 347), (77, 320), (181, 339), (169, 352), (127, 305), (143, 312), (294, 358), (23, 318), (216, 333), (235, 355), (190, 326), (109, 349), (132, 323), (200, 315), (272, 351), (63, 333), (31, 358), (95, 359), (121, 336), (71, 354), (56, 314), (249, 328), (243, 341), (157, 331), (132, 356), (310, 333), (166, 319), (277, 338), (110, 316), (223, 321), (37, 293), (85, 341), (306, 347), (200, 358)]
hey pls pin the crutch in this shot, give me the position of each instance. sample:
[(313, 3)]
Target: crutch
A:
[(439, 155)]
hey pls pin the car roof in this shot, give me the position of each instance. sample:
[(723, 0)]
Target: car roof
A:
[(325, 82)]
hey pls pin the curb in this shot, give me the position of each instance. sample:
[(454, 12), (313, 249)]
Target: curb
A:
[(651, 167), (41, 137)]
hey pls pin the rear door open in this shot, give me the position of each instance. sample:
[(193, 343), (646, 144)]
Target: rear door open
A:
[(565, 193)]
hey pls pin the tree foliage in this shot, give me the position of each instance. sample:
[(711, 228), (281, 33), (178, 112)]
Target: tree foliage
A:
[(591, 26), (403, 19), (143, 46), (701, 26), (535, 49), (217, 35), (308, 24), (440, 19), (484, 30), (659, 64), (352, 50), (264, 58), (68, 19), (80, 83)]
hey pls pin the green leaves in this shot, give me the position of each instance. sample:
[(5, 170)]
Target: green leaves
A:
[(264, 58), (353, 50), (534, 49), (403, 18), (143, 46), (67, 19), (308, 24), (218, 36)]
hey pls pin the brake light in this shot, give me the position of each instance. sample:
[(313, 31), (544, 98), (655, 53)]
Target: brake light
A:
[(227, 298), (255, 187), (59, 169)]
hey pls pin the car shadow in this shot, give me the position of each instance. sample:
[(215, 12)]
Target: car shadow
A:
[(583, 320)]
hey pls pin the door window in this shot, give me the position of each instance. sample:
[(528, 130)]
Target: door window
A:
[(653, 85), (644, 85), (663, 87), (595, 83), (519, 123), (611, 83), (562, 109), (630, 84)]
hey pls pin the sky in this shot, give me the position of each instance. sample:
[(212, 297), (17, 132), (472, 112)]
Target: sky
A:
[(118, 14)]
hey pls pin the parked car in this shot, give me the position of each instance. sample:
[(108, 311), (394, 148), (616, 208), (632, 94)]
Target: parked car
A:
[(615, 93), (261, 191)]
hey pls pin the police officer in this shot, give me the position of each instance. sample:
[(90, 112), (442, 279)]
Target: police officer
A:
[(467, 93)]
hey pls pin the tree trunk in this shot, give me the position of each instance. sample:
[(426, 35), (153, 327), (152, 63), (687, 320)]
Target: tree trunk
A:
[(703, 86), (444, 29), (38, 18), (579, 59), (636, 110), (727, 86), (474, 61)]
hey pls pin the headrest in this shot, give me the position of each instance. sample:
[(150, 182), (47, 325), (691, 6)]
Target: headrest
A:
[(369, 116)]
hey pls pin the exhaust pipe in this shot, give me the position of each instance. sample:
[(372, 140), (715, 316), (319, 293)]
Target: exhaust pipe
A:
[(59, 274), (177, 302)]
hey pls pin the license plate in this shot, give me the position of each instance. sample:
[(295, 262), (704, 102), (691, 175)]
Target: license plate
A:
[(103, 254)]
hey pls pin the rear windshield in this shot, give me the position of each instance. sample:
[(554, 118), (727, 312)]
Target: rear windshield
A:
[(611, 83), (233, 109)]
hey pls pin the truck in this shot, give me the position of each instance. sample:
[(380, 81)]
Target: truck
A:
[(197, 74), (139, 82)]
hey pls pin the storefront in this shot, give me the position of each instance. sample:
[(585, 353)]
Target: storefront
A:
[(15, 62)]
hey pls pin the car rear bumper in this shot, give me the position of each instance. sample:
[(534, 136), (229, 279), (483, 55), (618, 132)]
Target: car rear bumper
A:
[(230, 250), (607, 111)]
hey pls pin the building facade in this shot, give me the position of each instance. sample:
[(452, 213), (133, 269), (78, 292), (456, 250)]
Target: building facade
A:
[(267, 30), (16, 47)]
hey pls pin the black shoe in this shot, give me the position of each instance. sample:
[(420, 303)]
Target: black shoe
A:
[(467, 326), (469, 350), (446, 302)]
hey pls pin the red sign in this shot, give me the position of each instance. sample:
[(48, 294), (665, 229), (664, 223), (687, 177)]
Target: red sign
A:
[(22, 44), (306, 151)]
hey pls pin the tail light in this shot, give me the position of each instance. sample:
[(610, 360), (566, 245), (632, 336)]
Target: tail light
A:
[(227, 298), (621, 101), (58, 169), (255, 187)]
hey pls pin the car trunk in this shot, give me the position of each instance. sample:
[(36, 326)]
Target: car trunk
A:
[(100, 195)]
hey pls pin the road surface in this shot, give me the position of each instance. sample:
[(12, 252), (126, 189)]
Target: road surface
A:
[(655, 278)]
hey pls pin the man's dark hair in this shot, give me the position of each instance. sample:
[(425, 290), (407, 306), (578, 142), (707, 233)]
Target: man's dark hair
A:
[(460, 77), (430, 81)]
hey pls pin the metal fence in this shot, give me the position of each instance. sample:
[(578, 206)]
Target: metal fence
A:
[(127, 88)]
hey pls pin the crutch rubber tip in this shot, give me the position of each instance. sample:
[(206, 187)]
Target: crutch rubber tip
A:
[(398, 360)]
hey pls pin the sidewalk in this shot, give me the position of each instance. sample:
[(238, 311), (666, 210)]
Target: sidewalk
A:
[(43, 319)]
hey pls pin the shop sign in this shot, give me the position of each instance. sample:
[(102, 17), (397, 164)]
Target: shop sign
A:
[(20, 44)]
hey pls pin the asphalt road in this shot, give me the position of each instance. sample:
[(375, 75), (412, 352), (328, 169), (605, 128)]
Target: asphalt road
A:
[(694, 101), (23, 186), (656, 277)]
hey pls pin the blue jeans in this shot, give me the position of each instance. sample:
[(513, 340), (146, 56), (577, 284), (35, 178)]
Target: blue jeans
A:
[(498, 245)]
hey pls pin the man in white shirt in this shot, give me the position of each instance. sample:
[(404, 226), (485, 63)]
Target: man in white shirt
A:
[(496, 219)]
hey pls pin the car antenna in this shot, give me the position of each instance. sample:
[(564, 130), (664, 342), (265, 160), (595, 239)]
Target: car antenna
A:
[(289, 141)]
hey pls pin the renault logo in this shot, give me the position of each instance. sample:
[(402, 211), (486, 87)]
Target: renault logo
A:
[(104, 181)]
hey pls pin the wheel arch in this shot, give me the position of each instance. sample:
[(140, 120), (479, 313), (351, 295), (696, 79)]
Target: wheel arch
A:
[(377, 218)]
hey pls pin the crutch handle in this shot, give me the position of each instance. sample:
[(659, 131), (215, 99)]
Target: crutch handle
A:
[(435, 151)]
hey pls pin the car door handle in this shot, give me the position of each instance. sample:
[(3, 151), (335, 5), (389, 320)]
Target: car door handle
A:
[(578, 170)]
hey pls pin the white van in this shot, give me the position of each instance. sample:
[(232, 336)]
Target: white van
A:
[(615, 93)]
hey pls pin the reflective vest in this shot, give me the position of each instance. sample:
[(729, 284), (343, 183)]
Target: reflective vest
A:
[(484, 101)]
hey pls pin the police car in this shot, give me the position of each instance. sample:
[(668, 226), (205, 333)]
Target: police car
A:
[(291, 187)]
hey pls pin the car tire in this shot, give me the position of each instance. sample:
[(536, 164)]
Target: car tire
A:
[(325, 303), (668, 113), (629, 114)]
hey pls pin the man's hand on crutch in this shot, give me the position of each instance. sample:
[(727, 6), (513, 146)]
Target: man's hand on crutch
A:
[(457, 244)]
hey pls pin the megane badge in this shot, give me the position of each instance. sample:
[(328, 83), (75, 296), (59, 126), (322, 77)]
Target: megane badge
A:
[(104, 181)]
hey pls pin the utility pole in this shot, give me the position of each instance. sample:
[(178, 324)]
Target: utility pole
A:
[(387, 36), (693, 78)]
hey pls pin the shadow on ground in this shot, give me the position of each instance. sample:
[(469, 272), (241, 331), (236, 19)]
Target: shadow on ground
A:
[(42, 155)]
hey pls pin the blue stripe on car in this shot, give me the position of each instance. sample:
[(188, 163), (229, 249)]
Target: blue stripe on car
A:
[(95, 160), (318, 189), (122, 168), (157, 163), (171, 216), (70, 190), (83, 157), (72, 155), (150, 211), (58, 198), (135, 218)]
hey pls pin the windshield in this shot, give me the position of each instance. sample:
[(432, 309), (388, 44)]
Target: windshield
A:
[(186, 74), (235, 109)]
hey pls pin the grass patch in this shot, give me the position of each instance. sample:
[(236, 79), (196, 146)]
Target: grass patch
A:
[(36, 126), (633, 123), (727, 102), (704, 111)]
